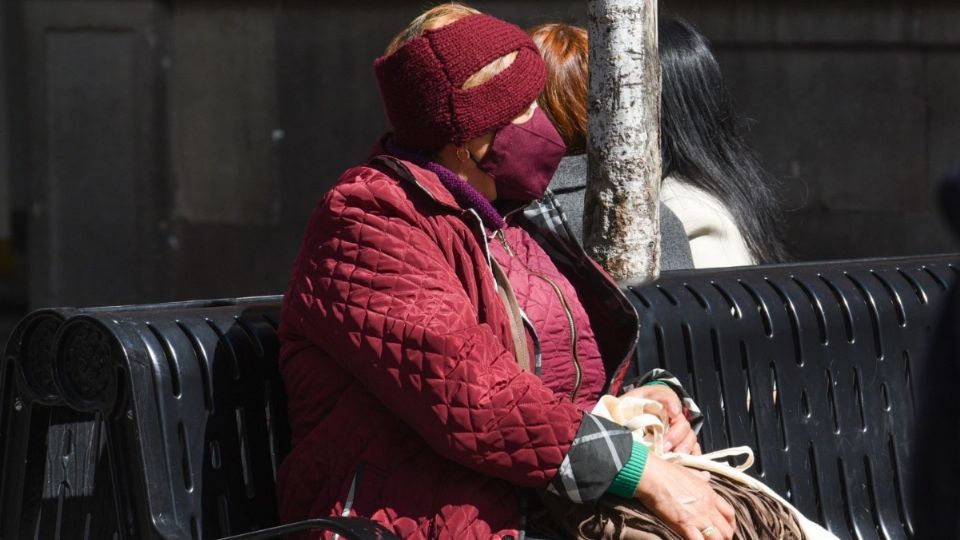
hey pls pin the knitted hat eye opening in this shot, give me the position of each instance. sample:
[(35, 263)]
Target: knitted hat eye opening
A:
[(488, 72), (494, 104)]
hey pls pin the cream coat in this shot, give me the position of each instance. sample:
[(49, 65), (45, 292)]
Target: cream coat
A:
[(715, 239)]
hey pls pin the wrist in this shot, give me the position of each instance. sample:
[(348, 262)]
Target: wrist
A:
[(628, 479), (648, 484)]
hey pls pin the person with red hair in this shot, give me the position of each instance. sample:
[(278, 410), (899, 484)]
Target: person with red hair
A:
[(564, 100), (440, 347)]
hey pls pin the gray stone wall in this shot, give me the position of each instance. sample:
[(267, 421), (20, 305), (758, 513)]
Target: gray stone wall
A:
[(96, 177), (12, 295), (5, 195), (178, 147)]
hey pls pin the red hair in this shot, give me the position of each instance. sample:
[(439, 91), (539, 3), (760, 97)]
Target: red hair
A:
[(564, 48)]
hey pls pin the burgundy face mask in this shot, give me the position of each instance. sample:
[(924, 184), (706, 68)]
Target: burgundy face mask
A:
[(523, 158)]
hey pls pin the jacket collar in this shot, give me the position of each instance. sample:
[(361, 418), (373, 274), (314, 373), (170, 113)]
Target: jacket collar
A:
[(427, 181), (465, 195), (494, 216)]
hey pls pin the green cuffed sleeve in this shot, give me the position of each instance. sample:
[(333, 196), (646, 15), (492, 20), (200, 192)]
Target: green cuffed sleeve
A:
[(625, 483)]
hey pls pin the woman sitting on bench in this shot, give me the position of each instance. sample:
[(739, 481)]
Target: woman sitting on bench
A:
[(439, 347)]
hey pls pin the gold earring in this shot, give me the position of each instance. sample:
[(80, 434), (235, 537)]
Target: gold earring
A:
[(463, 154)]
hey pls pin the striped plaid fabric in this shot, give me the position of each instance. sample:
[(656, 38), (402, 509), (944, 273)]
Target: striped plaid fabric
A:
[(546, 214), (597, 454)]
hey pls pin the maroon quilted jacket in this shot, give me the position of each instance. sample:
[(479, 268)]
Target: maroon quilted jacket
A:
[(406, 401), (570, 362)]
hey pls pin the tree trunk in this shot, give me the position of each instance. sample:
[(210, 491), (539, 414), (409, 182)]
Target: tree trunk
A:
[(622, 202)]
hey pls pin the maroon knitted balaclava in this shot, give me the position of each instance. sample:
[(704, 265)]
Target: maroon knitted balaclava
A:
[(421, 83)]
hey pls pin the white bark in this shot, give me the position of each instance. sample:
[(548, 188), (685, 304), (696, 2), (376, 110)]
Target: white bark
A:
[(621, 207)]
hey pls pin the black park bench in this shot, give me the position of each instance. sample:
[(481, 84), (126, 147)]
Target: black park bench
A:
[(168, 421)]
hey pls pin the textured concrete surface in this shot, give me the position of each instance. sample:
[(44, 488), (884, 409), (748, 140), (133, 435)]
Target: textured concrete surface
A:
[(7, 321), (5, 185)]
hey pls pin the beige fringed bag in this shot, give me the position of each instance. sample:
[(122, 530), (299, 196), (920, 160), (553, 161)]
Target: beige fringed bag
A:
[(761, 513)]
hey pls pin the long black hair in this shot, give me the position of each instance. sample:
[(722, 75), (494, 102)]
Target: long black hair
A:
[(702, 143)]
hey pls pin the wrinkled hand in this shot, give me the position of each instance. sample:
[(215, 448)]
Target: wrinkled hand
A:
[(685, 502), (680, 437)]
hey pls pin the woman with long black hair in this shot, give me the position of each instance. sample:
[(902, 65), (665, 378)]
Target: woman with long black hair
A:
[(711, 179)]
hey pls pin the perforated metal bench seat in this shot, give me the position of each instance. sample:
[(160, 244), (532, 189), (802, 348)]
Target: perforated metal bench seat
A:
[(168, 421)]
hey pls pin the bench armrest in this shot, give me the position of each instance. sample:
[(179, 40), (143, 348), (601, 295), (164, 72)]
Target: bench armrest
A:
[(346, 527)]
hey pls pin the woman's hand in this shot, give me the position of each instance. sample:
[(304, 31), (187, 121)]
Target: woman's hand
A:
[(685, 502), (680, 437)]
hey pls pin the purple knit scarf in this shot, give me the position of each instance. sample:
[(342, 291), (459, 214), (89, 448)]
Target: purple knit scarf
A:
[(464, 193)]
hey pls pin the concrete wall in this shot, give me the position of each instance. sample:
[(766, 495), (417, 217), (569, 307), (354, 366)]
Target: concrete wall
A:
[(97, 175), (856, 107), (5, 190), (12, 294), (239, 114)]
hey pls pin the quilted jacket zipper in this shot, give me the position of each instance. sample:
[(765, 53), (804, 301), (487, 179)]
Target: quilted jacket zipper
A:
[(503, 242), (574, 338), (481, 233), (536, 221), (351, 495)]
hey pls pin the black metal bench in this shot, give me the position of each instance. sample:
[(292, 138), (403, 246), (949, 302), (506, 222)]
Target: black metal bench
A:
[(168, 421)]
